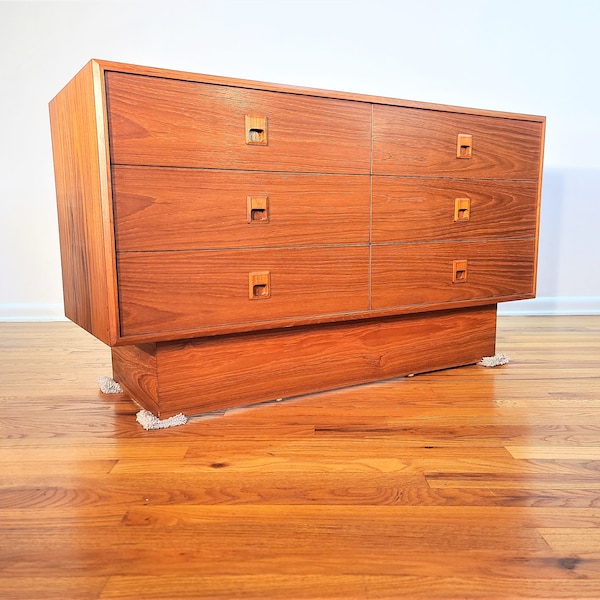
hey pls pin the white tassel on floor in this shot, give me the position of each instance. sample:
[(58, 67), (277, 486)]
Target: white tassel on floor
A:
[(109, 386), (144, 417), (149, 421), (494, 361)]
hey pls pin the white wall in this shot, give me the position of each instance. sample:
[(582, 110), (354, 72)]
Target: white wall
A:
[(531, 56)]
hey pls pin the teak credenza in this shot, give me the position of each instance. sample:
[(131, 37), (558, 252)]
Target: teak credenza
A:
[(237, 242)]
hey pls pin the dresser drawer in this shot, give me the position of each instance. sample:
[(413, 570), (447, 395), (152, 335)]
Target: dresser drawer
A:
[(190, 290), (411, 210), (168, 122), (188, 209), (446, 272), (417, 142)]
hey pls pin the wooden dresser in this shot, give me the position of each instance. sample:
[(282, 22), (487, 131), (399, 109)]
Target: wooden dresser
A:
[(237, 242)]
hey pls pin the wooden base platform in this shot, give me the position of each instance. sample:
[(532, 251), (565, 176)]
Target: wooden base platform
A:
[(213, 373)]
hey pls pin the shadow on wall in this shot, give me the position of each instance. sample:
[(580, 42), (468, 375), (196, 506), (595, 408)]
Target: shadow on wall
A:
[(570, 233), (553, 200), (568, 277)]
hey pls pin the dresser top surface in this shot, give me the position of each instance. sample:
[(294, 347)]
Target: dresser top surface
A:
[(104, 65)]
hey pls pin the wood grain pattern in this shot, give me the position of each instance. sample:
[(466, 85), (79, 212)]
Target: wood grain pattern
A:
[(135, 368), (418, 274), (83, 200), (244, 369), (464, 483), (417, 210), (166, 122), (420, 143), (186, 290), (177, 209)]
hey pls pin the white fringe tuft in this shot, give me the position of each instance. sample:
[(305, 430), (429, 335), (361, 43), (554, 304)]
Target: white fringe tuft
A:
[(149, 421), (109, 386), (494, 361), (144, 417)]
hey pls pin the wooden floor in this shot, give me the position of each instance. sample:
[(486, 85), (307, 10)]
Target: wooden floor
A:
[(466, 483)]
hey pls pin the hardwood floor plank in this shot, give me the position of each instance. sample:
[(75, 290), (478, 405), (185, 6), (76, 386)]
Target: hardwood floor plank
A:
[(44, 452), (362, 520), (61, 467), (75, 491), (249, 548), (58, 518), (524, 481), (230, 587), (580, 453), (52, 587), (349, 586), (479, 436), (571, 540)]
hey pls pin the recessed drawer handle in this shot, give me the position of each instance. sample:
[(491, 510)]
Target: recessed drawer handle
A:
[(257, 209), (462, 209), (464, 145), (259, 285), (459, 271), (256, 130)]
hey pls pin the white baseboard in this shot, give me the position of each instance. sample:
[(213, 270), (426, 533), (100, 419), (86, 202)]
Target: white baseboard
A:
[(32, 312), (565, 305), (552, 305)]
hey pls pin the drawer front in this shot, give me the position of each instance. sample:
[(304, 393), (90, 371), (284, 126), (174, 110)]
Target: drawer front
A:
[(414, 210), (446, 272), (187, 290), (187, 209), (417, 142), (167, 122)]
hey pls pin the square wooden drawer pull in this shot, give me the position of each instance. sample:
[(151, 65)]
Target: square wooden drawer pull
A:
[(462, 209), (459, 271), (259, 285), (256, 130), (257, 209), (464, 145)]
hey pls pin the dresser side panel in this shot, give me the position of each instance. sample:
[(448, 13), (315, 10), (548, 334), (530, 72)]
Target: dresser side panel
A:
[(84, 206)]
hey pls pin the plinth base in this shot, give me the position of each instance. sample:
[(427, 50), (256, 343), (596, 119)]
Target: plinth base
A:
[(211, 373)]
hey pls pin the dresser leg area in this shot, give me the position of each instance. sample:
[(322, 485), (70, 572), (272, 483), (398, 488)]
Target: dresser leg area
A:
[(213, 373)]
